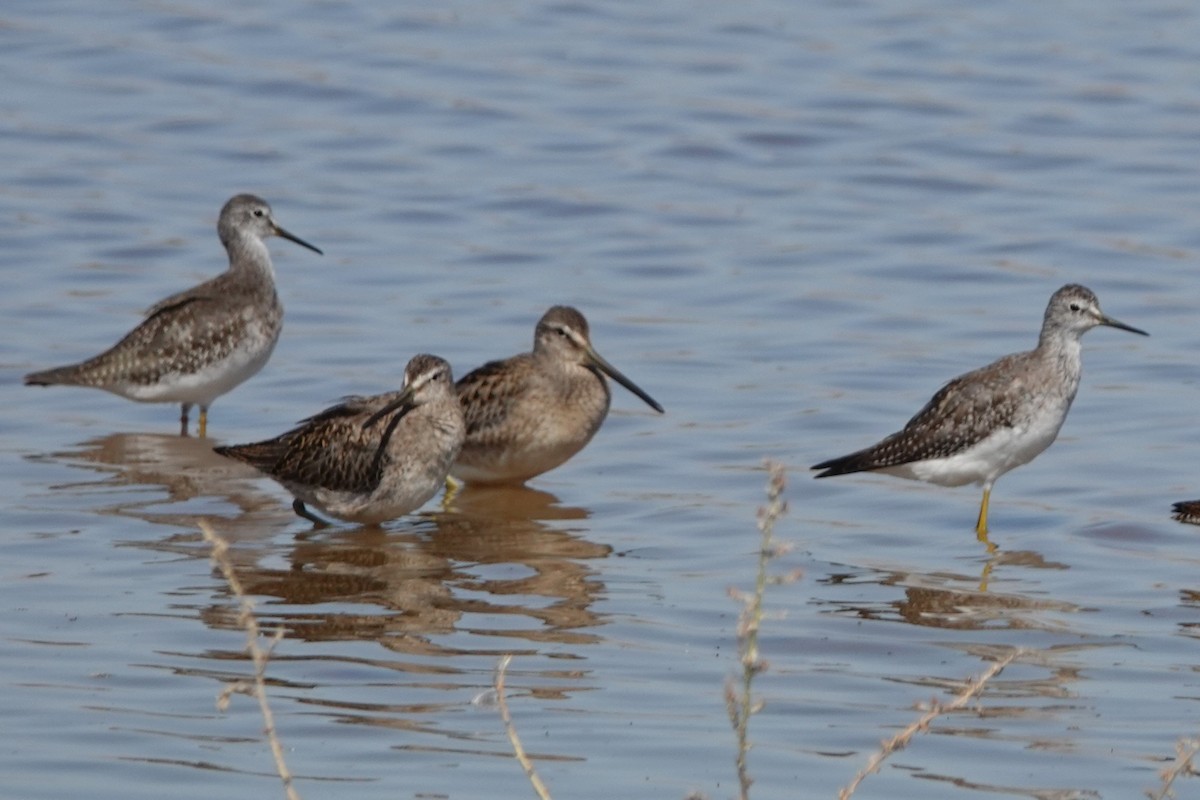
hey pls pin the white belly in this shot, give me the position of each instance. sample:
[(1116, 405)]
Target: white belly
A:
[(207, 384), (1003, 450)]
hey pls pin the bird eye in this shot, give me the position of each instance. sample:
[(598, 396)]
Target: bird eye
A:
[(258, 212), (1076, 307)]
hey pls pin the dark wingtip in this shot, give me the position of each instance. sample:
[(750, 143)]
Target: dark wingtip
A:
[(828, 469), (238, 452), (839, 466), (1187, 511), (71, 374)]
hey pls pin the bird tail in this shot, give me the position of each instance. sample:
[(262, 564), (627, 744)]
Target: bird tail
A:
[(855, 462), (261, 455), (64, 376)]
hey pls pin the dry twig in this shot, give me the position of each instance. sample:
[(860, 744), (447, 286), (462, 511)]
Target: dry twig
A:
[(1185, 752), (518, 750), (901, 739), (258, 654), (739, 700)]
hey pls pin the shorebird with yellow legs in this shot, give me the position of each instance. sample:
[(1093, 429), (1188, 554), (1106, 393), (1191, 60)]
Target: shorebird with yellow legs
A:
[(984, 423), (198, 344)]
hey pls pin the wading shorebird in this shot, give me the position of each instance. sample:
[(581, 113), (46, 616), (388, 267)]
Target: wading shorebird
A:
[(984, 423), (347, 462), (530, 413), (198, 344)]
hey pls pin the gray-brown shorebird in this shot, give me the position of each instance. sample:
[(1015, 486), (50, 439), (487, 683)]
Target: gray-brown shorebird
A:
[(530, 413), (198, 344), (984, 423), (369, 459)]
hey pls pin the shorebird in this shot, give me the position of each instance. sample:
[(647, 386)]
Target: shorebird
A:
[(347, 464), (198, 344), (984, 423), (530, 413)]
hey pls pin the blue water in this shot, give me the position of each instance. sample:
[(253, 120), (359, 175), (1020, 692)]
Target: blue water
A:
[(789, 223)]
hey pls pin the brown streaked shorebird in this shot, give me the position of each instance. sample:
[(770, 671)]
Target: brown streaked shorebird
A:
[(984, 423), (198, 344), (348, 463), (530, 413)]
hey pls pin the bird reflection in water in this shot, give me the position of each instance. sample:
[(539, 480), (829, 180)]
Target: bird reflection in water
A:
[(424, 575), (503, 571), (939, 600), (151, 476), (408, 584)]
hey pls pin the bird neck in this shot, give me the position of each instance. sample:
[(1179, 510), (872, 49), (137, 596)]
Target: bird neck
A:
[(1065, 352), (249, 255)]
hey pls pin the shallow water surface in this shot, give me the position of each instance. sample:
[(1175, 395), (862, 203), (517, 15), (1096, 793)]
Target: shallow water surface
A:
[(789, 223)]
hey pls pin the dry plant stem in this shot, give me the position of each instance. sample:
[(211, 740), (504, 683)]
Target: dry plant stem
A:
[(740, 703), (534, 780), (258, 654), (1185, 752), (901, 739)]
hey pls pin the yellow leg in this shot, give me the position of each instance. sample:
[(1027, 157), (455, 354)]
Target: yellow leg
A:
[(987, 572), (981, 529), (453, 487), (203, 421)]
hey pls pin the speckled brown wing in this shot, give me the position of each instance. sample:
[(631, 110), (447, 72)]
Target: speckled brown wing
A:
[(181, 336), (487, 395), (962, 413), (262, 455), (195, 327), (329, 450), (181, 333)]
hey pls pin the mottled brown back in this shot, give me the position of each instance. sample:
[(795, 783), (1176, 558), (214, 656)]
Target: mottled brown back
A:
[(181, 334), (487, 394), (330, 450), (962, 413)]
